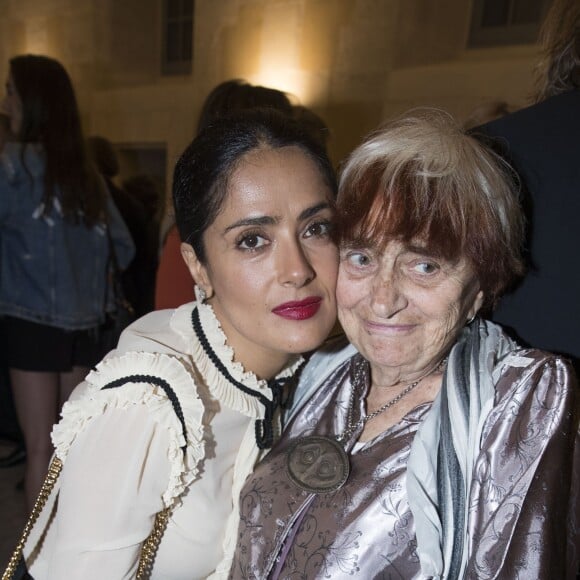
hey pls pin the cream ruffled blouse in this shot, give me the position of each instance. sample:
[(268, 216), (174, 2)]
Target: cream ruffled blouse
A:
[(123, 457)]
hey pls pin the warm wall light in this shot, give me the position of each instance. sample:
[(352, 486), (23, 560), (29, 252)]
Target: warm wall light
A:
[(310, 89), (289, 81), (282, 62), (37, 38)]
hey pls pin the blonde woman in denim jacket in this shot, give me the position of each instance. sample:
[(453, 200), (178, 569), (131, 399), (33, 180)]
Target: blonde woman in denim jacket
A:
[(54, 251)]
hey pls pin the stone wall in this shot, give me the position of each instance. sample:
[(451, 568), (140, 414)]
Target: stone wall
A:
[(355, 62)]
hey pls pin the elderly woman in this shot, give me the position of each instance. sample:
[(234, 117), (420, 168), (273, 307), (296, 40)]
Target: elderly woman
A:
[(433, 446)]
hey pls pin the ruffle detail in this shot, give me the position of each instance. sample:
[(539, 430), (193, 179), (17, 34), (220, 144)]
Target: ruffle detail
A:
[(78, 413), (221, 388)]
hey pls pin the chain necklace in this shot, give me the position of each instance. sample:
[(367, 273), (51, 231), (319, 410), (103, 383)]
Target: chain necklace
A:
[(352, 427), (320, 464)]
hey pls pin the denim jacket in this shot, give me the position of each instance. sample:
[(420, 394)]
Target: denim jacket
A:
[(51, 271)]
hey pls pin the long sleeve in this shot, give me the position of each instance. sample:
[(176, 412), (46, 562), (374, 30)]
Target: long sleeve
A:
[(524, 500), (111, 489), (130, 440)]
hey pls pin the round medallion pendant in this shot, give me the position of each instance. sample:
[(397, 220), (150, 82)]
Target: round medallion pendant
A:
[(317, 464)]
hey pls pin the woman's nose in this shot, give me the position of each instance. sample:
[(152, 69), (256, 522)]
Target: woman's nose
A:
[(387, 297), (295, 267)]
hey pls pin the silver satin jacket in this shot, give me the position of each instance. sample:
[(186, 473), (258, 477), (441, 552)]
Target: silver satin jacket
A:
[(366, 530)]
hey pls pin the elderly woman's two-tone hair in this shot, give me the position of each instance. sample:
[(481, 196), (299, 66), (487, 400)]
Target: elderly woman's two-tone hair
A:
[(421, 178)]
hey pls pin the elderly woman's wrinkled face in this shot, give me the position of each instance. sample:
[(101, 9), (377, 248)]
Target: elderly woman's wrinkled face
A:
[(403, 307)]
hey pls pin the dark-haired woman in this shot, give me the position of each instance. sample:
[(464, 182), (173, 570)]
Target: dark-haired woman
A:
[(54, 211), (174, 420), (173, 284)]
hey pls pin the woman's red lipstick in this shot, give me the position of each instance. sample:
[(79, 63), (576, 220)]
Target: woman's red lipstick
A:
[(301, 310)]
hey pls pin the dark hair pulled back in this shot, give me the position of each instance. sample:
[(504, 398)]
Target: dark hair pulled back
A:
[(201, 176)]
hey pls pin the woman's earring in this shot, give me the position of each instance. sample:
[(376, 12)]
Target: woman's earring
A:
[(471, 319), (202, 295)]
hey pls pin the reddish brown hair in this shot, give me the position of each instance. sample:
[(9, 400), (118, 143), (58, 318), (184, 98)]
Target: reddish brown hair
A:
[(421, 177)]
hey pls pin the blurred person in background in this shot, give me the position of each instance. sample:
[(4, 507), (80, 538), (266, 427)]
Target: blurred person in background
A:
[(9, 429), (139, 277), (486, 112), (541, 143), (54, 212), (146, 190), (237, 95)]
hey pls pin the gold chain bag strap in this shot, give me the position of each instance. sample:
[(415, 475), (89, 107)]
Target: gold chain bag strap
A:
[(45, 491), (148, 550), (150, 546)]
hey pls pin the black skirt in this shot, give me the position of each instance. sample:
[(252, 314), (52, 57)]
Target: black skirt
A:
[(30, 346)]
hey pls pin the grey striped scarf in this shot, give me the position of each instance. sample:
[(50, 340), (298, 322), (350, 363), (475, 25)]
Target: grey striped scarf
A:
[(446, 446)]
